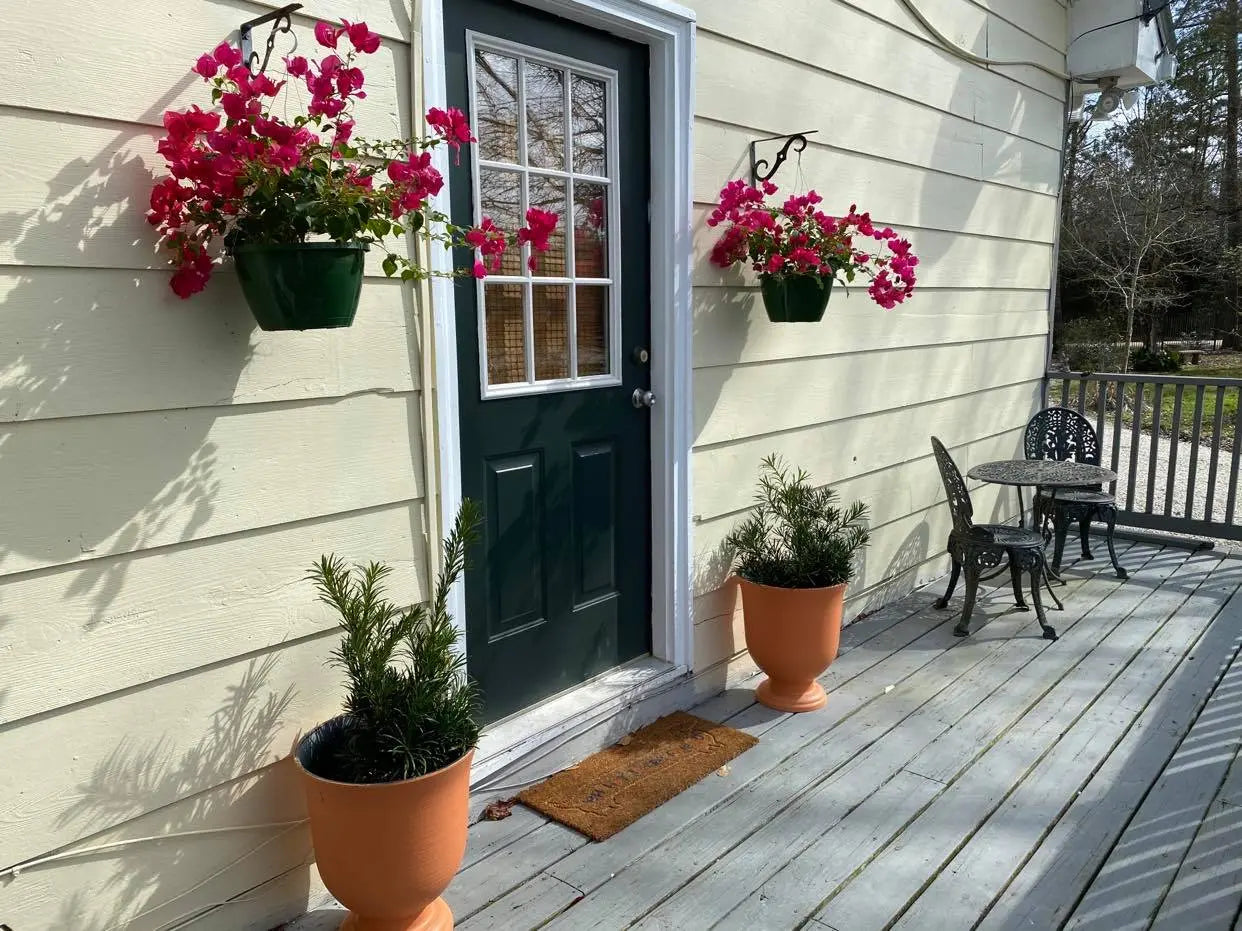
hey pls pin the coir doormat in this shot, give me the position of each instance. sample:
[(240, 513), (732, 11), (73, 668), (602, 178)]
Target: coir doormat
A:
[(615, 787)]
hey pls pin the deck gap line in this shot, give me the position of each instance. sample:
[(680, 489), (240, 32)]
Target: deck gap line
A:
[(1029, 622), (1207, 699), (1025, 709), (1086, 708), (961, 772), (1052, 824), (814, 783), (935, 655)]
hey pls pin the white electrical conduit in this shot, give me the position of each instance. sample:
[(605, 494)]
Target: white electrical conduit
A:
[(18, 868), (970, 56)]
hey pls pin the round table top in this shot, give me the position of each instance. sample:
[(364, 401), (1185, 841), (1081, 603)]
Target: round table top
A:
[(1046, 472)]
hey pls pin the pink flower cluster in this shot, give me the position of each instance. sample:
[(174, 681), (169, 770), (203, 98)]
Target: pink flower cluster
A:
[(798, 238), (221, 172)]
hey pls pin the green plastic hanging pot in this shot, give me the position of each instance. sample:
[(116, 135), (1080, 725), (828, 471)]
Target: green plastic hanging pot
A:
[(795, 298), (301, 285)]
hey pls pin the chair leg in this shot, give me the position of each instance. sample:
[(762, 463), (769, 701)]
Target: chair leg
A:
[(1061, 527), (1037, 580), (1110, 519), (968, 607), (1084, 534), (956, 571), (1015, 575)]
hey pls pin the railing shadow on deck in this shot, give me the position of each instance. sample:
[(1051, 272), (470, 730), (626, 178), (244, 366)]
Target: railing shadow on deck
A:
[(1123, 877)]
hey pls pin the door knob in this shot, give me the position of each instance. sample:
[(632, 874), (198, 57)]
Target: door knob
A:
[(642, 398)]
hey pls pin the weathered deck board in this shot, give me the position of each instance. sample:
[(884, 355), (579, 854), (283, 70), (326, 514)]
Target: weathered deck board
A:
[(873, 661), (803, 834), (1207, 891), (1079, 720), (856, 743), (807, 880), (996, 782)]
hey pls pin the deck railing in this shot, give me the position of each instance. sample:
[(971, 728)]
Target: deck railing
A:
[(1173, 442)]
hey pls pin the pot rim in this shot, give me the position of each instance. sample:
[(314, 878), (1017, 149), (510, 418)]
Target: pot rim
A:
[(781, 588), (353, 246), (781, 276), (466, 758)]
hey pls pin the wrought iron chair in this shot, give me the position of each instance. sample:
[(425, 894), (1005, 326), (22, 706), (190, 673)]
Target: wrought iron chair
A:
[(978, 547), (1061, 434)]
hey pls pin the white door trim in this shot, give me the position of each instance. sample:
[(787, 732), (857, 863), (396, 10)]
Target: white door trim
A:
[(668, 31)]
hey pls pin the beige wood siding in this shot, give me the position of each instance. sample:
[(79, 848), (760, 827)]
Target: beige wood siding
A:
[(170, 473), (965, 161)]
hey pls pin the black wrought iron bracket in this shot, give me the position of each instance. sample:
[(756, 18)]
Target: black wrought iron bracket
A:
[(281, 21), (760, 170)]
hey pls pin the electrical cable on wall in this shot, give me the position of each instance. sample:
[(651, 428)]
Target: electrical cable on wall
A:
[(967, 55)]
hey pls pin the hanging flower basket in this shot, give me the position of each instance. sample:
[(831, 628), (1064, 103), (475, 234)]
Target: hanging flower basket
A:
[(296, 201), (301, 286), (798, 251), (795, 298)]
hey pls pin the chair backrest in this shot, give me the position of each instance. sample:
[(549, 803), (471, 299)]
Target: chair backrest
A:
[(1060, 433), (959, 498)]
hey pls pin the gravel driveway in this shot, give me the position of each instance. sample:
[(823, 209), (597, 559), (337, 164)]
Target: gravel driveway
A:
[(1181, 478)]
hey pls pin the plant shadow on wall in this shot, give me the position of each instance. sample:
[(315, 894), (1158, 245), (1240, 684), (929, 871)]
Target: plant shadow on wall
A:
[(154, 884), (93, 331)]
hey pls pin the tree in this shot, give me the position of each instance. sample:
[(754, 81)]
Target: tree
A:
[(1136, 225)]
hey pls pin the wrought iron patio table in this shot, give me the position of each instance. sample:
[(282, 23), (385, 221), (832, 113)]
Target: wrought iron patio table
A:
[(1040, 473)]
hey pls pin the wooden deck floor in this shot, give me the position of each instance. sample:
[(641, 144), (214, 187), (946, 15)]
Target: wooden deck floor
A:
[(996, 782)]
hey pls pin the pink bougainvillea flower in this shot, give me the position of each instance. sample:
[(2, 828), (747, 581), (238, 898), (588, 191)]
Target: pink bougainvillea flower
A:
[(362, 38), (227, 55), (452, 126), (223, 166), (206, 66), (797, 237), (327, 35)]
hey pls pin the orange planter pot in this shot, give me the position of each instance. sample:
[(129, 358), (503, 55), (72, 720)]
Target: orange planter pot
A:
[(793, 635), (388, 850)]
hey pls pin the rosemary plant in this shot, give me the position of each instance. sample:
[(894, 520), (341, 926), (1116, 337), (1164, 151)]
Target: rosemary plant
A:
[(410, 709), (796, 536)]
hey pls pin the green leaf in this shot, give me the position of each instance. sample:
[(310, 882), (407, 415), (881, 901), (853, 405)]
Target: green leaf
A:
[(416, 222), (390, 265), (380, 226)]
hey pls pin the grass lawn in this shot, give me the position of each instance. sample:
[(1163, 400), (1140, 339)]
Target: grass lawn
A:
[(1216, 366)]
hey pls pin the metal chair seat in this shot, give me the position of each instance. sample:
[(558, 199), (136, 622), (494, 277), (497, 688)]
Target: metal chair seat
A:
[(1078, 496), (1004, 535)]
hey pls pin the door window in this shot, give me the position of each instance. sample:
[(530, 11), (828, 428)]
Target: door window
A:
[(546, 127)]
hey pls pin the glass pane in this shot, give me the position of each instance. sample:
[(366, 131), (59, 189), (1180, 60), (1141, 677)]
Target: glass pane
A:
[(500, 197), (551, 316), (496, 108), (592, 317), (545, 116), (590, 230), (506, 333), (589, 102), (549, 194)]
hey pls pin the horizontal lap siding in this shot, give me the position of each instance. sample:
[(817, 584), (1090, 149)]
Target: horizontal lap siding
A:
[(172, 473), (962, 159)]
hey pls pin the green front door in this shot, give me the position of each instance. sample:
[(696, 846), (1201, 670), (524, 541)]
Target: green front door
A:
[(553, 363)]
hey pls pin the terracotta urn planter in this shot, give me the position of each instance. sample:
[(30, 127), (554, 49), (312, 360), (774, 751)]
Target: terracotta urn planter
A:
[(388, 850), (792, 635)]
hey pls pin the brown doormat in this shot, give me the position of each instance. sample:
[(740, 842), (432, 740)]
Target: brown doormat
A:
[(615, 787)]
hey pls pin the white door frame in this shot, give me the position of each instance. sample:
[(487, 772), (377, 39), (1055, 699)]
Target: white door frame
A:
[(668, 31)]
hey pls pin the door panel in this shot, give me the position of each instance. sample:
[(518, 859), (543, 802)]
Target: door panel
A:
[(560, 589)]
